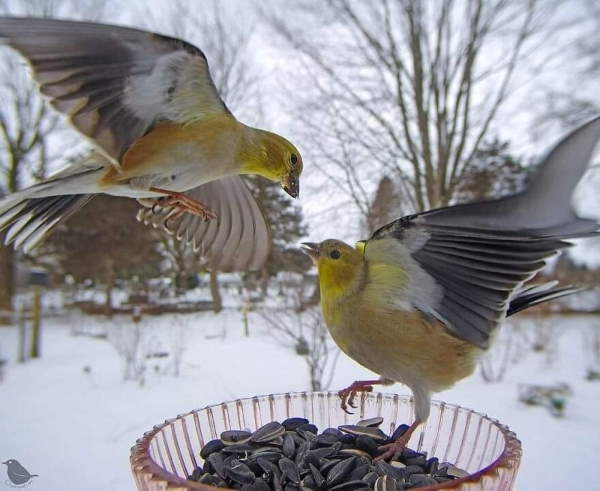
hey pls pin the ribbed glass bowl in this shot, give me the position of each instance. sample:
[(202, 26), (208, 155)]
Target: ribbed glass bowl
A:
[(488, 450)]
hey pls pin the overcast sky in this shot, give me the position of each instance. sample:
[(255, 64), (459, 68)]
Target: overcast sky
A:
[(276, 67)]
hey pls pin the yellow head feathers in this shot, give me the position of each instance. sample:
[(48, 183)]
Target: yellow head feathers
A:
[(275, 158), (342, 269)]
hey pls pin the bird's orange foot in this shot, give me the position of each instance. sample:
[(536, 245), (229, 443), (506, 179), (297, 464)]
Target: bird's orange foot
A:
[(182, 204), (391, 451), (348, 394)]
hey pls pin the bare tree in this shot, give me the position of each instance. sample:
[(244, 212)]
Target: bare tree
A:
[(579, 64), (25, 123), (385, 206), (303, 330), (403, 87)]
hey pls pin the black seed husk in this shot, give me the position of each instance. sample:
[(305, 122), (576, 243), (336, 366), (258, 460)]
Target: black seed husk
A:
[(294, 456)]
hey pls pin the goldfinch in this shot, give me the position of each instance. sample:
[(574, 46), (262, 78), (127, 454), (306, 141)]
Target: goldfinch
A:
[(420, 301), (149, 106)]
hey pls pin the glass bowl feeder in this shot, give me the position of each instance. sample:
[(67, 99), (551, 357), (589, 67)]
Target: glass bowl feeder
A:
[(490, 453)]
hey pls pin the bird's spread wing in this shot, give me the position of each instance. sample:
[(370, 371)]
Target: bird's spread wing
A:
[(476, 270), (237, 240), (480, 254), (114, 83)]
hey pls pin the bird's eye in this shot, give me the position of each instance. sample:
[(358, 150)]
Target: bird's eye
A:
[(294, 159), (335, 254)]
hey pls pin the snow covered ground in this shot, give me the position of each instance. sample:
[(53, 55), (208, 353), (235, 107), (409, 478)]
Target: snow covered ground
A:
[(71, 419)]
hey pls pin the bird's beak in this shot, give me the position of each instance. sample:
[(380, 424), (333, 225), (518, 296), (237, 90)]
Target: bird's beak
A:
[(312, 249), (291, 185), (5, 463)]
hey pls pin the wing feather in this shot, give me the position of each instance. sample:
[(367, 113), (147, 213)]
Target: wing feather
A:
[(114, 83), (238, 240)]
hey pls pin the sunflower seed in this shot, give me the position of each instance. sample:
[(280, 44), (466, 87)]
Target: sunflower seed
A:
[(385, 483), (333, 431), (231, 437), (318, 478), (326, 439), (374, 433), (376, 421), (398, 432), (359, 472), (339, 471), (350, 485), (238, 448), (289, 446), (240, 472), (355, 451), (327, 465), (289, 470), (309, 436), (217, 464), (301, 452), (367, 444), (210, 447), (384, 469), (291, 424), (321, 453), (308, 427), (432, 465), (370, 478), (267, 433)]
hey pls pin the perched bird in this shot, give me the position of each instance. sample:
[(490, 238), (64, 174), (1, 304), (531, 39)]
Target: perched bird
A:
[(148, 104), (420, 301), (17, 473)]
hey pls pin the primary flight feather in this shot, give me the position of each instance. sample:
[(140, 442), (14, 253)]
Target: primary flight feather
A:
[(148, 104)]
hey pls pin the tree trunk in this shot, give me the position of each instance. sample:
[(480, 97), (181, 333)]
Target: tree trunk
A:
[(264, 281), (109, 282), (7, 281), (36, 322), (215, 293)]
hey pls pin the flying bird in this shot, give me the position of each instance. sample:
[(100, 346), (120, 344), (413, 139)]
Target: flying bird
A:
[(161, 134), (420, 301)]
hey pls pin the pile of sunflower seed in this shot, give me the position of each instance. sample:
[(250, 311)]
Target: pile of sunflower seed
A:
[(292, 455)]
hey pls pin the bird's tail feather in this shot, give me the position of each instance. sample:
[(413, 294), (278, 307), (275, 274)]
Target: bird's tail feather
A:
[(28, 221), (537, 294), (544, 207)]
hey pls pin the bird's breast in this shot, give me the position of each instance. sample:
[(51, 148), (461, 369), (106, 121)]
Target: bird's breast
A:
[(184, 155), (403, 345)]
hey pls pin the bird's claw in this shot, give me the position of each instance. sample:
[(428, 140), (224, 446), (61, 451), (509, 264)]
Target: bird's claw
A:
[(348, 394), (181, 203), (391, 451)]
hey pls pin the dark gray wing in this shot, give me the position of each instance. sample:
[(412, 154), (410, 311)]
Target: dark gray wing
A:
[(114, 82), (480, 254), (477, 270), (238, 239)]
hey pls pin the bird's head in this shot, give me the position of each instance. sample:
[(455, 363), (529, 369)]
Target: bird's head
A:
[(275, 158), (8, 462), (341, 267)]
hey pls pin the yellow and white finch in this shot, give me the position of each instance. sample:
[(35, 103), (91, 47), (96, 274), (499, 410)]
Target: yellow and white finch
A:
[(148, 104), (419, 302)]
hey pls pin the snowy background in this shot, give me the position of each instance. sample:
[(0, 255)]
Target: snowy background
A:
[(71, 418)]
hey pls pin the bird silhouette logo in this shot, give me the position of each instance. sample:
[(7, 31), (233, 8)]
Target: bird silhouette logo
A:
[(17, 474)]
